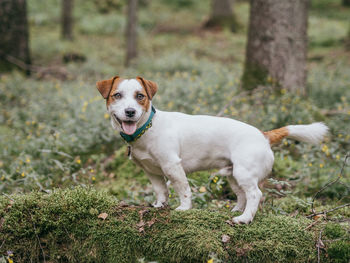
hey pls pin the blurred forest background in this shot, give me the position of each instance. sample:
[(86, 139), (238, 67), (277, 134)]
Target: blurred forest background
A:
[(267, 63)]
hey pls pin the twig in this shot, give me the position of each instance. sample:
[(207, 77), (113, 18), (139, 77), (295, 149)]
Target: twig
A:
[(3, 242), (328, 211), (42, 250), (311, 225), (8, 197), (19, 63), (331, 182), (319, 242)]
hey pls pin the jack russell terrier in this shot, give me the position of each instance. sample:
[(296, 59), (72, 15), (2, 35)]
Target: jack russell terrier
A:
[(171, 144)]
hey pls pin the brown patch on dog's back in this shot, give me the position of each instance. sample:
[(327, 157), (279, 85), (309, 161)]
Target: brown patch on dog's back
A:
[(145, 101), (276, 135)]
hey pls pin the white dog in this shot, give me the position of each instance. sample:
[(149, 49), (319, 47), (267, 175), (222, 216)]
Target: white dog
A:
[(171, 144)]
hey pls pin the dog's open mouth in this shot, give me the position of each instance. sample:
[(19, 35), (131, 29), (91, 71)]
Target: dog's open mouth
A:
[(129, 127)]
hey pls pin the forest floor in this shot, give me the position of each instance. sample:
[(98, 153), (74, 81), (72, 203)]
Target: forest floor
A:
[(55, 133)]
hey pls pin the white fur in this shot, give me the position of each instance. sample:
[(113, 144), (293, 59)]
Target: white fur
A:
[(178, 143), (312, 133)]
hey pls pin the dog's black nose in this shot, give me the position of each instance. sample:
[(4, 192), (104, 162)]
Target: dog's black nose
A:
[(130, 112)]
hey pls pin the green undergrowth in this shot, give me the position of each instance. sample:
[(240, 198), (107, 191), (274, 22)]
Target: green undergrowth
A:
[(65, 226)]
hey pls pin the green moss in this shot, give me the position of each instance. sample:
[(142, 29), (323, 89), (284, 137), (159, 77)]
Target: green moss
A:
[(66, 223), (334, 231), (339, 251)]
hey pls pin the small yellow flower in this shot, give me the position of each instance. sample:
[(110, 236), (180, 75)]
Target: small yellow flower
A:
[(170, 104), (2, 178), (23, 174), (27, 160), (337, 157), (324, 148), (310, 164), (169, 195), (93, 178), (106, 115), (283, 91), (340, 135), (285, 143), (210, 260), (78, 161), (92, 170), (202, 189), (227, 205), (321, 165)]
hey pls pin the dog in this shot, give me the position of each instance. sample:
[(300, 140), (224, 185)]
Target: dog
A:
[(172, 144)]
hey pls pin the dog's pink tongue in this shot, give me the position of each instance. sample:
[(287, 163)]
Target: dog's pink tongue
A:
[(129, 127)]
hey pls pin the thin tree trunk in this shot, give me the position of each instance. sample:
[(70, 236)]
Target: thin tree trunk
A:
[(346, 3), (222, 15), (131, 32), (277, 45), (14, 34), (67, 19)]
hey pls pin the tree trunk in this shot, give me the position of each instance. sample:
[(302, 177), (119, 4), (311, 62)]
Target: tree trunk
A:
[(131, 32), (14, 35), (277, 45), (67, 19), (222, 15), (347, 41), (346, 3)]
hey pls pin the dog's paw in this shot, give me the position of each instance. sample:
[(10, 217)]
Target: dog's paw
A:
[(159, 204), (242, 220), (183, 207)]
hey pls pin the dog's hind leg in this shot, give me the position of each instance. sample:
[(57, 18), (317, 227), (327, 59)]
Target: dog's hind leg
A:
[(160, 188), (241, 200), (248, 182)]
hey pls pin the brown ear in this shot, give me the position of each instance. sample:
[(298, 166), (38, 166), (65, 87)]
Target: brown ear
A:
[(105, 86), (150, 86)]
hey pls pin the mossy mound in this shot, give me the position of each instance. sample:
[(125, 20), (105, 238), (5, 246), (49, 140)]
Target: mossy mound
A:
[(64, 226)]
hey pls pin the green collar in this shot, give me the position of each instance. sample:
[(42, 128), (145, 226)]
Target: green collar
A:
[(140, 131)]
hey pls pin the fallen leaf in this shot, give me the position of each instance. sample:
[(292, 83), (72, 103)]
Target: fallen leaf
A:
[(123, 204), (151, 222), (316, 217), (103, 216), (225, 238), (320, 244)]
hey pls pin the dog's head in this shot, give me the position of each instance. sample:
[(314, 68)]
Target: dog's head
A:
[(127, 100)]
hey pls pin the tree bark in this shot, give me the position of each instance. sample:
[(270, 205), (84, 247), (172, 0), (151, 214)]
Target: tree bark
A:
[(277, 45), (14, 35), (67, 19), (346, 3), (131, 32), (222, 15)]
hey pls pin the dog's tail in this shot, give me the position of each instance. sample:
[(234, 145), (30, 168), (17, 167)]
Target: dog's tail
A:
[(312, 133)]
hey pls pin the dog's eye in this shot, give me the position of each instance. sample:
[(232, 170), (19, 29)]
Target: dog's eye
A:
[(140, 96), (117, 95)]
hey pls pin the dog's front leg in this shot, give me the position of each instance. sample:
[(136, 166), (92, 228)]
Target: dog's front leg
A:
[(177, 176), (160, 188)]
